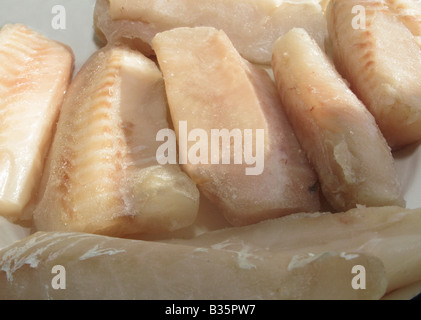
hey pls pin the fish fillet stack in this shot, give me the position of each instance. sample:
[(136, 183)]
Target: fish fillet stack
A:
[(84, 164), (103, 174)]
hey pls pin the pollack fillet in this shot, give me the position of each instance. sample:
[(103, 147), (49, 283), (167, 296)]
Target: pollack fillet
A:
[(102, 175), (409, 12), (211, 87), (380, 58), (390, 233), (34, 75), (99, 267), (252, 25), (337, 132)]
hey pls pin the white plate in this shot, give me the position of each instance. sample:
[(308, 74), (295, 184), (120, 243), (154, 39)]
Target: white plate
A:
[(78, 33)]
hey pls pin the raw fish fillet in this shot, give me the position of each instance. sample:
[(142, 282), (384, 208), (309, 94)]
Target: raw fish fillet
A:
[(34, 76), (211, 87), (389, 233), (252, 25), (102, 175), (381, 60), (339, 135), (99, 267)]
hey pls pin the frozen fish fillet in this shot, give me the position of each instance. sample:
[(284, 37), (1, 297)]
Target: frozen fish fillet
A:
[(252, 25), (389, 233), (211, 87), (102, 175), (380, 58), (339, 135), (99, 267), (34, 75)]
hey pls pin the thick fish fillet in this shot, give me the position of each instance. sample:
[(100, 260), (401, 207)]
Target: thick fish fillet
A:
[(382, 62), (336, 131), (252, 25), (34, 75), (99, 267), (211, 87), (102, 175), (389, 233)]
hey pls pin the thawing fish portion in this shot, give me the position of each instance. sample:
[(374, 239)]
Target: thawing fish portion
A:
[(389, 233), (34, 76), (102, 175), (409, 12), (386, 79), (99, 267), (212, 89), (337, 132), (252, 25)]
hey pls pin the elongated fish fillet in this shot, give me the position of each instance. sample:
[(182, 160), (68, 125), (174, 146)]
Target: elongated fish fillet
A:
[(99, 267), (34, 75), (337, 132), (211, 87), (252, 25), (389, 233), (409, 12), (102, 175), (380, 58)]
